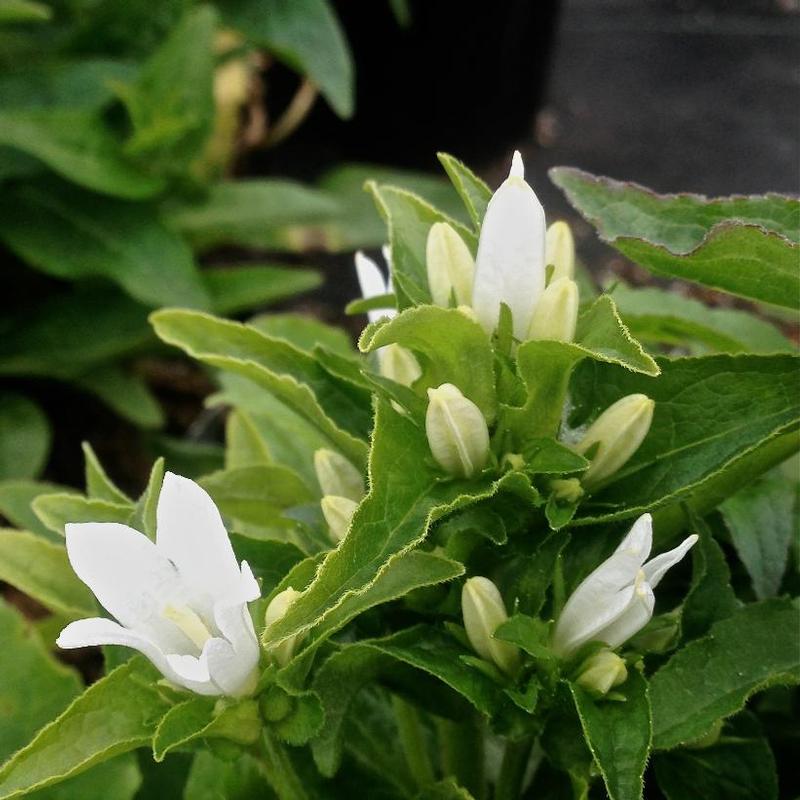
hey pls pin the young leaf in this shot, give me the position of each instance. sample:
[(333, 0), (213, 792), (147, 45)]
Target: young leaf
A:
[(15, 505), (711, 678), (244, 447), (471, 189), (56, 510), (24, 437), (744, 245), (118, 713), (144, 517), (619, 735), (98, 485)]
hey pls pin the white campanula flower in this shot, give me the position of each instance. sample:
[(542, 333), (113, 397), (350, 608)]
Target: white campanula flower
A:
[(373, 284), (616, 600), (510, 265), (181, 600)]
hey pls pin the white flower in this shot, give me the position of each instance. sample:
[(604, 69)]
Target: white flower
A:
[(373, 284), (510, 265), (181, 601), (616, 600)]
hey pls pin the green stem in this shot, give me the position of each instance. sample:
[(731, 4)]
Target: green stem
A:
[(412, 740), (461, 749), (277, 768), (558, 587), (512, 770)]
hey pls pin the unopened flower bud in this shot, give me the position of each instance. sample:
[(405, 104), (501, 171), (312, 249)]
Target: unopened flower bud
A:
[(283, 651), (556, 313), (566, 490), (398, 364), (451, 268), (618, 432), (560, 250), (337, 476), (457, 432), (484, 611), (601, 672), (338, 511), (513, 461)]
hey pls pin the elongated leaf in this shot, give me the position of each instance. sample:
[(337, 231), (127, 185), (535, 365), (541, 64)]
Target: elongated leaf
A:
[(56, 510), (711, 678), (117, 779), (41, 570), (73, 234), (474, 192), (98, 485), (291, 375), (305, 333), (145, 515), (15, 504), (739, 403), (24, 437), (748, 246), (619, 735), (114, 715), (77, 145)]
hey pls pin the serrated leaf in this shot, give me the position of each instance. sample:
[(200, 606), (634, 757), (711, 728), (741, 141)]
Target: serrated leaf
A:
[(473, 191), (78, 146), (56, 510), (711, 678), (98, 485), (455, 348), (41, 570), (24, 437), (744, 245), (291, 375), (738, 404), (114, 715), (15, 504), (619, 735), (73, 234)]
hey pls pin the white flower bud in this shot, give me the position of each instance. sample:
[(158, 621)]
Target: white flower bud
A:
[(398, 364), (484, 612), (619, 431), (560, 251), (457, 432), (282, 653), (556, 313), (336, 475), (338, 511), (601, 672), (451, 268)]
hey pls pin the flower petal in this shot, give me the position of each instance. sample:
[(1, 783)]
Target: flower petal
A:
[(128, 574), (372, 284), (190, 532), (510, 265), (639, 539), (634, 618), (656, 568)]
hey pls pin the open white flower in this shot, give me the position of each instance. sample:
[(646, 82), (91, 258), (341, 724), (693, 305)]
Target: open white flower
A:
[(181, 601), (373, 284), (510, 265), (616, 600)]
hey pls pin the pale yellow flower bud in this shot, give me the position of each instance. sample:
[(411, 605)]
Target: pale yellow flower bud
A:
[(601, 672), (560, 250), (337, 476), (567, 490), (451, 268), (398, 364), (556, 313), (338, 511), (457, 432), (619, 431), (282, 653), (484, 611)]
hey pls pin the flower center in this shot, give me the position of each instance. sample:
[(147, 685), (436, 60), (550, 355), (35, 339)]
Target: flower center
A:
[(189, 622)]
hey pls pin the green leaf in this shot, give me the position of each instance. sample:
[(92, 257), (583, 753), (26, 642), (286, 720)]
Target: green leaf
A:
[(473, 191), (35, 686), (117, 779), (212, 778), (446, 789), (15, 504), (738, 404), (24, 437), (117, 714), (306, 36), (98, 485), (455, 349), (305, 333), (78, 146), (409, 219), (56, 510), (235, 289), (206, 717), (21, 11), (291, 375), (711, 678), (244, 446), (744, 245), (171, 103), (664, 317), (41, 570), (619, 735), (739, 766), (73, 234), (266, 214), (144, 517), (762, 521)]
